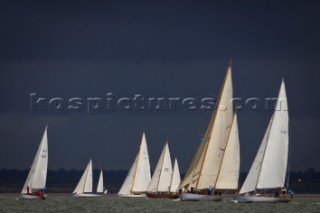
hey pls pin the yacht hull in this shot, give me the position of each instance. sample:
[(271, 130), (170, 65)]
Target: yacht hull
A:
[(32, 197), (167, 195), (261, 199), (132, 196), (199, 197), (86, 195)]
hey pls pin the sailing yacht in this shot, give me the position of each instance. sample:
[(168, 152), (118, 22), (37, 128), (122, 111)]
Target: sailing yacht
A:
[(36, 180), (216, 163), (269, 168), (84, 187), (139, 175), (165, 181)]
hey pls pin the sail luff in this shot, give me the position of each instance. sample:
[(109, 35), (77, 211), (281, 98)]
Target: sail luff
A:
[(38, 172)]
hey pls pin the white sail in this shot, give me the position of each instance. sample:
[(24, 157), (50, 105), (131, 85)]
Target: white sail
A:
[(85, 183), (100, 183), (161, 179), (218, 136), (269, 167), (252, 178), (128, 182), (274, 166), (142, 175), (176, 179), (38, 173), (139, 175), (205, 167), (230, 168)]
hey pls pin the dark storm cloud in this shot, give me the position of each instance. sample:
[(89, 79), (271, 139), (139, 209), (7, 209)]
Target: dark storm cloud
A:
[(155, 48)]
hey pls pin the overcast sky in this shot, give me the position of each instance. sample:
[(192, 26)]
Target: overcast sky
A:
[(156, 49)]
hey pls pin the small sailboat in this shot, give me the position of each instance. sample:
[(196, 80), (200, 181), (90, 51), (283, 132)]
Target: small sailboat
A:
[(84, 187), (36, 180), (216, 164), (139, 175), (269, 168), (165, 181)]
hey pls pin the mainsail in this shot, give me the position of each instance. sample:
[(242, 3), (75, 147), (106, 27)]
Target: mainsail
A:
[(162, 176), (139, 175), (100, 183), (270, 165), (85, 183), (206, 164), (36, 179)]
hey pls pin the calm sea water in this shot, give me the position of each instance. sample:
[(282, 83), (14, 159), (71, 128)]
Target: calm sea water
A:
[(111, 203)]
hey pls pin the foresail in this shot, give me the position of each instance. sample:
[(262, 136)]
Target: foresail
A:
[(38, 173), (128, 182), (166, 172), (162, 174), (80, 188), (251, 181), (191, 177), (88, 183), (217, 134), (274, 166), (230, 168), (176, 179), (142, 174), (100, 183)]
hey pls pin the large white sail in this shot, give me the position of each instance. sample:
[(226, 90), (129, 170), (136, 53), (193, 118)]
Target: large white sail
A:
[(205, 166), (230, 168), (161, 179), (176, 179), (218, 136), (274, 165), (85, 183), (270, 165), (38, 173), (142, 175), (128, 182), (100, 183)]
